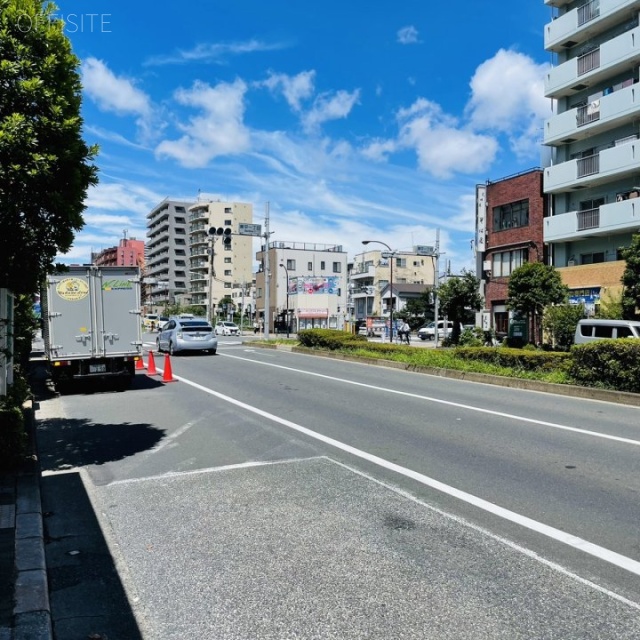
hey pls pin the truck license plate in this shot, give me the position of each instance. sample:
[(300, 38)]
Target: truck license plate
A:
[(97, 368)]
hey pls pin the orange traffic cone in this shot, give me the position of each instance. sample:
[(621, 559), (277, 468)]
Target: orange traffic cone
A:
[(139, 363), (167, 375), (151, 366)]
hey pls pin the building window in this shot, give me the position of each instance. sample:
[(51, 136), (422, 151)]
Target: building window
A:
[(227, 285), (309, 266), (181, 263), (592, 258), (401, 262), (322, 266), (291, 264), (228, 223), (227, 272), (337, 267), (180, 241), (181, 221), (227, 209), (227, 260), (181, 252), (181, 231), (505, 262), (180, 209), (510, 216)]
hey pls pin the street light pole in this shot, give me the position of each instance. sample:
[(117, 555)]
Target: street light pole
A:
[(287, 310), (392, 253)]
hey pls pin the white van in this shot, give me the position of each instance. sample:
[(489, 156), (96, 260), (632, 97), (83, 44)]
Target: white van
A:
[(590, 330)]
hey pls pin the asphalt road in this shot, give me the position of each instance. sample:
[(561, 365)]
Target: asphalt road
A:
[(266, 494)]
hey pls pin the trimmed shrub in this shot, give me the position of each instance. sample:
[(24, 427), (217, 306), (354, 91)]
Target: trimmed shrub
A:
[(329, 339), (609, 364), (527, 360)]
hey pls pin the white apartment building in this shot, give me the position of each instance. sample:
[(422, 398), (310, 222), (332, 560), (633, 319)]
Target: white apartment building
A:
[(220, 263), (166, 254), (593, 185), (307, 286), (369, 279)]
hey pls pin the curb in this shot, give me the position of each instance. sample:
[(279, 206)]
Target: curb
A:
[(32, 610), (589, 393)]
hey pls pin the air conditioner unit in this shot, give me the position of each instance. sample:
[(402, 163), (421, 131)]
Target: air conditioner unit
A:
[(571, 263)]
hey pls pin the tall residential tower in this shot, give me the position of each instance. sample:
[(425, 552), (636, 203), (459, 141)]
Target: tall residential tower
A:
[(593, 185)]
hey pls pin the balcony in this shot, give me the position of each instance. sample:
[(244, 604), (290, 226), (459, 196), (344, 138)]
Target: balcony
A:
[(622, 160), (361, 272), (612, 57), (611, 111), (608, 219), (580, 24)]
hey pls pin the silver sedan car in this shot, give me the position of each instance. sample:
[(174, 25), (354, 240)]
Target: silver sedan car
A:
[(192, 334)]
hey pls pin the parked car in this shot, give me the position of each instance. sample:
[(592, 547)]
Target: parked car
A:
[(428, 331), (162, 320), (227, 329), (590, 330), (187, 334)]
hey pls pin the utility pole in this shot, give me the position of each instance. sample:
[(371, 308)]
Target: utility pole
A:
[(436, 305), (267, 278)]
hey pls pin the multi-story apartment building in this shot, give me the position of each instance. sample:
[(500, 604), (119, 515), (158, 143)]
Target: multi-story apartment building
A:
[(128, 253), (167, 251), (370, 275), (218, 264), (510, 215), (307, 286), (593, 183)]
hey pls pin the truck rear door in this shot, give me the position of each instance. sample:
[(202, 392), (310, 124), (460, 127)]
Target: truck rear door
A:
[(118, 310), (71, 308)]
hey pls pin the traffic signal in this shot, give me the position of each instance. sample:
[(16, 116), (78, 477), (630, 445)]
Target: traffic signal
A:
[(222, 232)]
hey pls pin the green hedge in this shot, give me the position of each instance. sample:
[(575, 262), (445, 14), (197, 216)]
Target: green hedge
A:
[(329, 339), (13, 437), (516, 358), (609, 364)]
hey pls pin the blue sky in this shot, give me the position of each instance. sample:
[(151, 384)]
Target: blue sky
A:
[(354, 119)]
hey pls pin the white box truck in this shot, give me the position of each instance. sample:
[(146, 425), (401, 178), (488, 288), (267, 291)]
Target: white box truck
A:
[(92, 324)]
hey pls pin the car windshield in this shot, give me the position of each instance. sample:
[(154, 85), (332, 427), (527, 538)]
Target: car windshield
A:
[(196, 326)]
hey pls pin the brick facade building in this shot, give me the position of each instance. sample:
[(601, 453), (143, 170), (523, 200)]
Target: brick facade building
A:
[(510, 233)]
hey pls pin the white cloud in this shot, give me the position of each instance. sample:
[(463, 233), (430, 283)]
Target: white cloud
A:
[(294, 88), (121, 197), (443, 146), (218, 131), (330, 107), (519, 109), (214, 53), (113, 93), (408, 35)]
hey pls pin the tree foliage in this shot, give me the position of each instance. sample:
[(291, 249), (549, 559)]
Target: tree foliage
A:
[(560, 322), (417, 310), (45, 165), (631, 280), (532, 287), (458, 297)]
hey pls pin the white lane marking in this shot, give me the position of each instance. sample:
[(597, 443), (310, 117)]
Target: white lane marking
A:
[(509, 543), (226, 467), (176, 434), (595, 550), (449, 403)]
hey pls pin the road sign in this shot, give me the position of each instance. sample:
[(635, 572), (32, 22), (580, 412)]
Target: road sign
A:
[(424, 250), (245, 229)]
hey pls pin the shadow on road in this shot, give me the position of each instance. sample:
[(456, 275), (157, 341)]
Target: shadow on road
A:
[(65, 443), (86, 594)]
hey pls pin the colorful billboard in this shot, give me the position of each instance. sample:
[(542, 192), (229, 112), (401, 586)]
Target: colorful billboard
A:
[(314, 284)]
